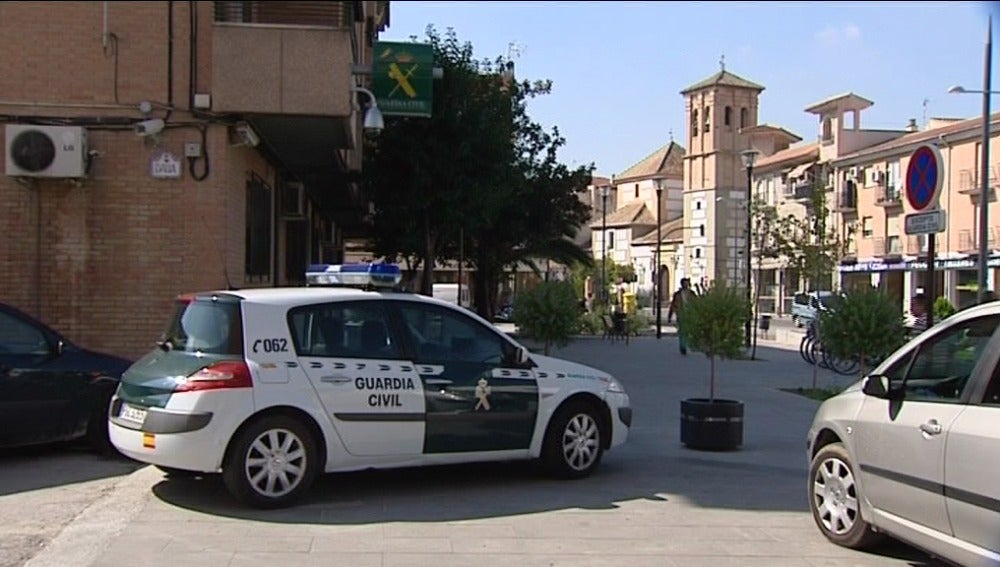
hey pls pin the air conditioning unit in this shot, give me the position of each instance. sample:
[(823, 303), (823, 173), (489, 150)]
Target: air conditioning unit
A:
[(855, 172), (293, 200), (46, 151)]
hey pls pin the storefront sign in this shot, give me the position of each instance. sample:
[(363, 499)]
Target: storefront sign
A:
[(968, 263)]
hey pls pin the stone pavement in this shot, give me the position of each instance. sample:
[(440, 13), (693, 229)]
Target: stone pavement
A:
[(652, 502)]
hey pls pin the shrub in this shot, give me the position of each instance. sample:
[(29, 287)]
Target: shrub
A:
[(713, 324), (548, 313), (867, 324), (943, 308)]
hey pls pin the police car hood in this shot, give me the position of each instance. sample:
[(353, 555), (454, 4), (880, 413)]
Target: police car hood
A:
[(566, 369)]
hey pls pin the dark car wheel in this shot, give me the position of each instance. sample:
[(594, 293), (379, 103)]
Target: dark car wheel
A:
[(573, 443), (835, 499), (271, 463)]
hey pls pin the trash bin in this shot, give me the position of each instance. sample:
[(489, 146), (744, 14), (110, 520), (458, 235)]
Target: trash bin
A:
[(765, 324)]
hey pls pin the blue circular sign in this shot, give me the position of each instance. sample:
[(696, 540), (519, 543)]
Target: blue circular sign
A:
[(924, 176)]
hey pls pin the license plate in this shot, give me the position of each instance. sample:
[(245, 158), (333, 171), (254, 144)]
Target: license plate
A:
[(132, 413)]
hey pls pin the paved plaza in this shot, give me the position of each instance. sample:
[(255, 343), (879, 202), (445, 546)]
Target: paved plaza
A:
[(652, 502)]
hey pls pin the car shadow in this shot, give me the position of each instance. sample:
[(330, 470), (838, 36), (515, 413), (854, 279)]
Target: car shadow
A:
[(651, 473), (57, 464)]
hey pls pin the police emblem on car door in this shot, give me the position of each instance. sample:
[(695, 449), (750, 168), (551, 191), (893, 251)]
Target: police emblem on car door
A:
[(473, 401), (355, 363)]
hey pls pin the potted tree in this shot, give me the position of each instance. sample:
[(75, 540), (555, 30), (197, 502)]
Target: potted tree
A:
[(867, 325), (713, 324)]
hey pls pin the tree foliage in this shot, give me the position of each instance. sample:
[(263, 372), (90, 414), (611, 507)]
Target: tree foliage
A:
[(548, 313), (865, 323), (480, 168), (804, 244), (713, 324)]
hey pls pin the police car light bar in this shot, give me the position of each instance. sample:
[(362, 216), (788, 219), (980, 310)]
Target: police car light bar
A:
[(365, 274)]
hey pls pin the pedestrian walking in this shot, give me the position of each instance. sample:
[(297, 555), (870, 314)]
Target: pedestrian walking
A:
[(681, 297)]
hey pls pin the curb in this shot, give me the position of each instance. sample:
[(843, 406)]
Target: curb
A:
[(85, 538)]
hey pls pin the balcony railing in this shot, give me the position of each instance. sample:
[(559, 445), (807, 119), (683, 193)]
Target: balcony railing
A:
[(889, 196), (968, 239), (888, 246), (847, 200), (321, 14), (916, 244), (803, 190)]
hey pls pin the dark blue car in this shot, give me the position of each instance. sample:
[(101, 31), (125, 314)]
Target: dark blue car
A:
[(50, 389)]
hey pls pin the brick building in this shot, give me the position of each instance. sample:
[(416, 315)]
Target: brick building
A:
[(248, 168)]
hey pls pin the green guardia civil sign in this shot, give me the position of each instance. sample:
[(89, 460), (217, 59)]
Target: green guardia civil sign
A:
[(404, 78)]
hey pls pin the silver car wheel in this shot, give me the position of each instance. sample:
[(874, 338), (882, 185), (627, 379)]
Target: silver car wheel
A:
[(275, 463), (835, 496), (581, 442)]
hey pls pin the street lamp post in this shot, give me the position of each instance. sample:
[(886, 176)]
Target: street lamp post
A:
[(749, 158), (657, 291), (604, 241), (984, 194)]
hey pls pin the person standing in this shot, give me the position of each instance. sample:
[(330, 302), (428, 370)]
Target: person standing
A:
[(681, 297), (919, 308)]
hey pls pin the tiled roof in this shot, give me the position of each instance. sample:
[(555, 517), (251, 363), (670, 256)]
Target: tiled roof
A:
[(666, 160), (635, 213), (670, 231), (771, 129), (790, 156), (971, 124), (726, 79), (849, 101)]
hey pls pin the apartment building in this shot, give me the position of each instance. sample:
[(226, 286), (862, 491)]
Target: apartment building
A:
[(870, 209), (626, 232), (155, 148)]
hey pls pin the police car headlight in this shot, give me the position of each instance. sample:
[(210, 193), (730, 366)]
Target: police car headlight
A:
[(615, 387)]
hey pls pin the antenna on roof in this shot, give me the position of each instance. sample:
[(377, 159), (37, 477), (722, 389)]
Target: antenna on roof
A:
[(671, 132), (924, 104), (722, 62)]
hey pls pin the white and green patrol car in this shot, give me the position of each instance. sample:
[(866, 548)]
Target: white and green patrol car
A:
[(273, 386)]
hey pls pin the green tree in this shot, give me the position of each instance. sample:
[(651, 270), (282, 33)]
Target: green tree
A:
[(548, 313), (713, 324), (479, 167), (866, 324)]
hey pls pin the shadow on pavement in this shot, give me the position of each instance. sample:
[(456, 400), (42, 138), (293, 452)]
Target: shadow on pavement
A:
[(57, 464), (769, 473)]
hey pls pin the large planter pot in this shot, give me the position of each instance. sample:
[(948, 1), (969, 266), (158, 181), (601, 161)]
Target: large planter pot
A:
[(712, 425)]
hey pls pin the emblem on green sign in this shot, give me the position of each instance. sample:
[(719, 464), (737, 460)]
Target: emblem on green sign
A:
[(404, 78)]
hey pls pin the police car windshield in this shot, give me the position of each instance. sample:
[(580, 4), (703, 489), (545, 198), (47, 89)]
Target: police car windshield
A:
[(207, 326)]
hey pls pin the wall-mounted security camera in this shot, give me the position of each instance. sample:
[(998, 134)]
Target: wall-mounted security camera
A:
[(149, 127), (245, 133)]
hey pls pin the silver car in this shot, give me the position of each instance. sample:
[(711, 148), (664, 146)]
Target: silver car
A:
[(912, 451)]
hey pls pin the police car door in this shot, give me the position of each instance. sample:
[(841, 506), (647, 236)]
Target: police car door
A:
[(474, 402), (355, 363)]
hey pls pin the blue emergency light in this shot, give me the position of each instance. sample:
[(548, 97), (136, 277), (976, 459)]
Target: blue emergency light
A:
[(363, 274)]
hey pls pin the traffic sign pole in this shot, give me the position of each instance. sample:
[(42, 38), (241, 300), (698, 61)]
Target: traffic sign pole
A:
[(924, 177)]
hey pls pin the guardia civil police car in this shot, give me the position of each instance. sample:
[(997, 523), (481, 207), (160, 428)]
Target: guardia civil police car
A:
[(273, 386)]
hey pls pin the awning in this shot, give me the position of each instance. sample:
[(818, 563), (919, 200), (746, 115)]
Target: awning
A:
[(801, 170)]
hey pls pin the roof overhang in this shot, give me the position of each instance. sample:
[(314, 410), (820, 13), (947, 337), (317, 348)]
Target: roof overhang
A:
[(845, 101)]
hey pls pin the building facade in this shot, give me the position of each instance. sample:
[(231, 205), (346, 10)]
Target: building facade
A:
[(635, 207), (156, 148), (871, 208)]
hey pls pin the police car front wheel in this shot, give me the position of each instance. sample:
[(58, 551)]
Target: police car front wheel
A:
[(272, 462), (573, 447)]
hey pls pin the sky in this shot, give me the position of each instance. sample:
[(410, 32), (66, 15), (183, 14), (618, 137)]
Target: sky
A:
[(618, 67)]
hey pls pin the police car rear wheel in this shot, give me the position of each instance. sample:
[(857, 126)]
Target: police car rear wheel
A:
[(272, 462), (572, 446)]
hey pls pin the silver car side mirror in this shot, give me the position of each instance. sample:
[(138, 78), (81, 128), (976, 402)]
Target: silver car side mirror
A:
[(522, 356), (877, 385)]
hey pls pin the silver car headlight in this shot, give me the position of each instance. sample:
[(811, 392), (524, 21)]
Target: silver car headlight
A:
[(615, 387)]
